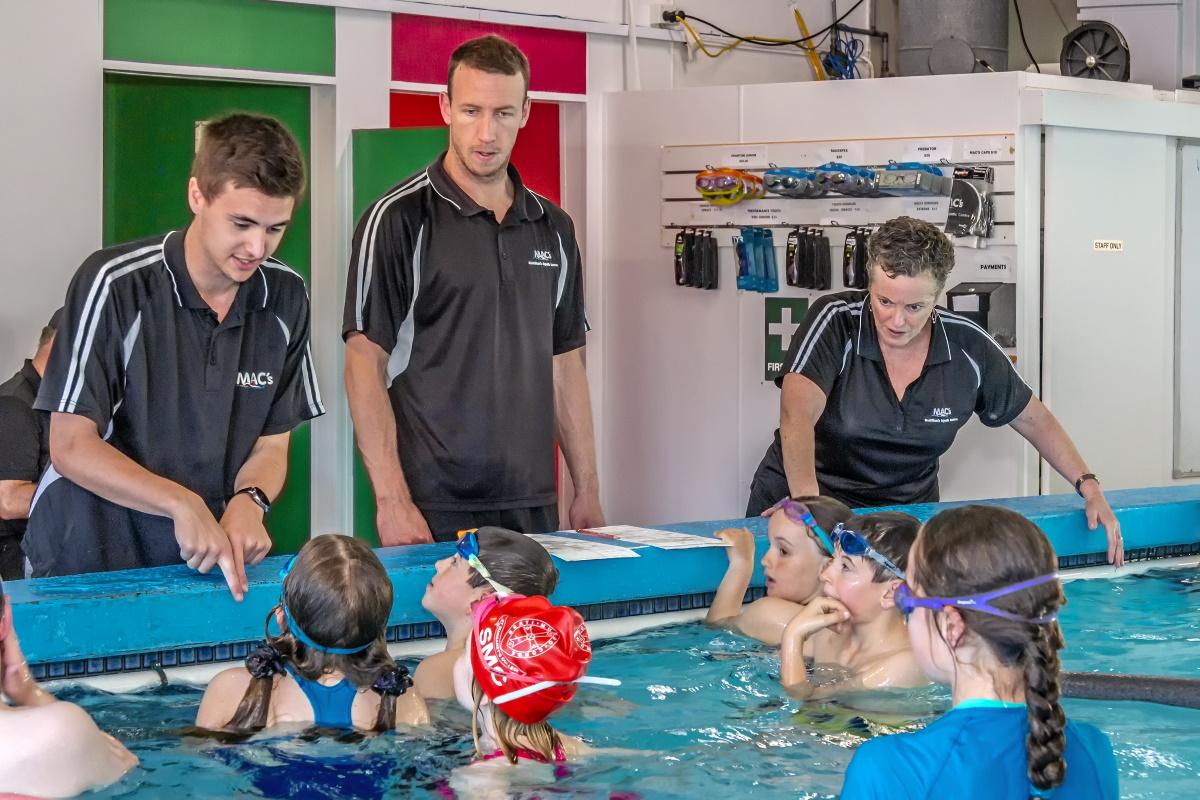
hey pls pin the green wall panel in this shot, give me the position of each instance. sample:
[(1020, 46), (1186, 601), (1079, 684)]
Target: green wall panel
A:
[(242, 34), (381, 159), (149, 141)]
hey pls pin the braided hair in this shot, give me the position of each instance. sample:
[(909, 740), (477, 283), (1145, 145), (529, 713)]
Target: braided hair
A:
[(975, 549)]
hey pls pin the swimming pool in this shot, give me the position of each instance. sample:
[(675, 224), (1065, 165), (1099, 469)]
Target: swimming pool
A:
[(706, 707)]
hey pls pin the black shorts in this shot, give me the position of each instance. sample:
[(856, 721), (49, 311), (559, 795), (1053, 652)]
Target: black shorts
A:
[(445, 525)]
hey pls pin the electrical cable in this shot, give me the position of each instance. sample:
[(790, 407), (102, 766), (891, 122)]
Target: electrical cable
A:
[(765, 42), (813, 58), (1021, 28)]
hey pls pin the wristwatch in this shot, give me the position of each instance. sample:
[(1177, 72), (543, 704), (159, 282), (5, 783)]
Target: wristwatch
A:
[(257, 495), (1087, 476)]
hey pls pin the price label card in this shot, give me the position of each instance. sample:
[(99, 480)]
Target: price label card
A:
[(929, 209), (708, 214), (762, 212), (986, 148), (846, 152), (845, 211), (750, 156), (927, 151)]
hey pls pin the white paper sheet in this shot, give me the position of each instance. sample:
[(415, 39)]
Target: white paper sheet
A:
[(569, 549), (665, 540)]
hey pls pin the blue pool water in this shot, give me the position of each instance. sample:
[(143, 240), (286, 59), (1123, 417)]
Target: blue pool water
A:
[(705, 706)]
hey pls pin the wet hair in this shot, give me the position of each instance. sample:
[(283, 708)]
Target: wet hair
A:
[(541, 738), (340, 596), (975, 549), (493, 54), (911, 247), (827, 512), (891, 533), (253, 151), (516, 561)]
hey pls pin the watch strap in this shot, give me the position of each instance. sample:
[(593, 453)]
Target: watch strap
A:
[(1087, 476), (257, 495)]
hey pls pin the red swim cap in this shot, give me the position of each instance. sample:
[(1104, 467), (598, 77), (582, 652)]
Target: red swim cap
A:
[(525, 643)]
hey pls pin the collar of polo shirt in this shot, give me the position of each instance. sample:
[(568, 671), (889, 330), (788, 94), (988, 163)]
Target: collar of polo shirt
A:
[(525, 205)]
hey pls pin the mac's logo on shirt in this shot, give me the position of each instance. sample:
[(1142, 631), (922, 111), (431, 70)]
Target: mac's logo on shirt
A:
[(941, 412), (254, 380), (541, 258)]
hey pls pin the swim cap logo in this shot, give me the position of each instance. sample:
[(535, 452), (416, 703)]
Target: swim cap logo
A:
[(528, 638), (581, 639), (254, 380)]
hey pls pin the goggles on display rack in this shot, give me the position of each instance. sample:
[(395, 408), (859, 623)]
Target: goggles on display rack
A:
[(725, 186), (906, 602), (468, 549), (300, 634), (791, 182), (852, 543), (798, 513)]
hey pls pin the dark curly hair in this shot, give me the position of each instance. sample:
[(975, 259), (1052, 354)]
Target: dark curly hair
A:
[(911, 247)]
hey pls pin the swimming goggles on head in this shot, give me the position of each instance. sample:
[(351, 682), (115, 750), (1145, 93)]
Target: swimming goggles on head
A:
[(798, 513), (468, 549), (852, 543), (295, 629), (906, 602)]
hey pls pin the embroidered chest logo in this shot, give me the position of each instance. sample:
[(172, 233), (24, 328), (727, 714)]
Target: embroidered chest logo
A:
[(254, 380), (542, 258), (942, 414)]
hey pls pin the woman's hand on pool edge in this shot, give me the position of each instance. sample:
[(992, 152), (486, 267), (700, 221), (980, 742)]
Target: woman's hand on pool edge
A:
[(1100, 513), (741, 541)]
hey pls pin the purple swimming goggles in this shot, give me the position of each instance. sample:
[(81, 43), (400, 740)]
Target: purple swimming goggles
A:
[(906, 602), (798, 513)]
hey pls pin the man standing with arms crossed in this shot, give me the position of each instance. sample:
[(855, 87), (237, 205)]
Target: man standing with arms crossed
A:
[(181, 368), (464, 326)]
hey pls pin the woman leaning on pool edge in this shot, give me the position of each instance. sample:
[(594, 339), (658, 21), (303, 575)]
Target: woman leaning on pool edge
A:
[(878, 383)]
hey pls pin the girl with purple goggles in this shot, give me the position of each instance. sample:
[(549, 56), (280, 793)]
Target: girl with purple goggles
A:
[(907, 602)]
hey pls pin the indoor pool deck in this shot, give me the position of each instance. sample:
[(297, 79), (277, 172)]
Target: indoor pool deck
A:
[(156, 619)]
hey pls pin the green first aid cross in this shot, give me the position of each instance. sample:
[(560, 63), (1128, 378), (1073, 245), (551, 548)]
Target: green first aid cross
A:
[(783, 316)]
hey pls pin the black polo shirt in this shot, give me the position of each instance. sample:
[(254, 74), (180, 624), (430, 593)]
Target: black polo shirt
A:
[(472, 312), (871, 449), (24, 437), (142, 355)]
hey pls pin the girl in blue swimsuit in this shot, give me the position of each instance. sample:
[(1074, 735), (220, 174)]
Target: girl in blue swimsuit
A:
[(329, 665), (983, 595)]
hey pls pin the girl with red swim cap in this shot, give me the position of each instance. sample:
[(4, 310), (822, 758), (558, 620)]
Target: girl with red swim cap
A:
[(524, 659)]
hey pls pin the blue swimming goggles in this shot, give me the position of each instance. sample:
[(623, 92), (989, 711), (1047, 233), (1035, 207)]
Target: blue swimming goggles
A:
[(852, 543), (906, 602), (468, 549), (798, 513), (301, 635)]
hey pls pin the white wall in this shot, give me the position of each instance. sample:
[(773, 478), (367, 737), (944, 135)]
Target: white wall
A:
[(50, 161)]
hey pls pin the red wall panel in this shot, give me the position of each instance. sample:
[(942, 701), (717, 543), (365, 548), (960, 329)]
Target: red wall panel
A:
[(536, 155), (421, 48)]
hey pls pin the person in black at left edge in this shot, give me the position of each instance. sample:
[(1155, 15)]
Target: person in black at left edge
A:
[(181, 369), (24, 451)]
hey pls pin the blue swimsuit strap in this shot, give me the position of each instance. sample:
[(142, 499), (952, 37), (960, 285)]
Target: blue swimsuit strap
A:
[(331, 705)]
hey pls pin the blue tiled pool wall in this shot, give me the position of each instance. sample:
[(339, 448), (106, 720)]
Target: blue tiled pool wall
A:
[(237, 651)]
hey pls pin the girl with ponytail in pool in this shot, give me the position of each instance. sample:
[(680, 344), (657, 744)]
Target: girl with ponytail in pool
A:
[(329, 665), (983, 595)]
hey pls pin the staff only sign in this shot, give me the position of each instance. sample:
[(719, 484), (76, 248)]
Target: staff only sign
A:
[(783, 316)]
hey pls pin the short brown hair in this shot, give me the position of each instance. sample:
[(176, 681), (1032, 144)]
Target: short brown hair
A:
[(490, 53), (253, 151), (911, 247)]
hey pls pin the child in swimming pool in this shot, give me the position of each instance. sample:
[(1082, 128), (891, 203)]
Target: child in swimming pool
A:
[(329, 665), (855, 623), (511, 563), (800, 547), (523, 660), (48, 748), (983, 594)]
